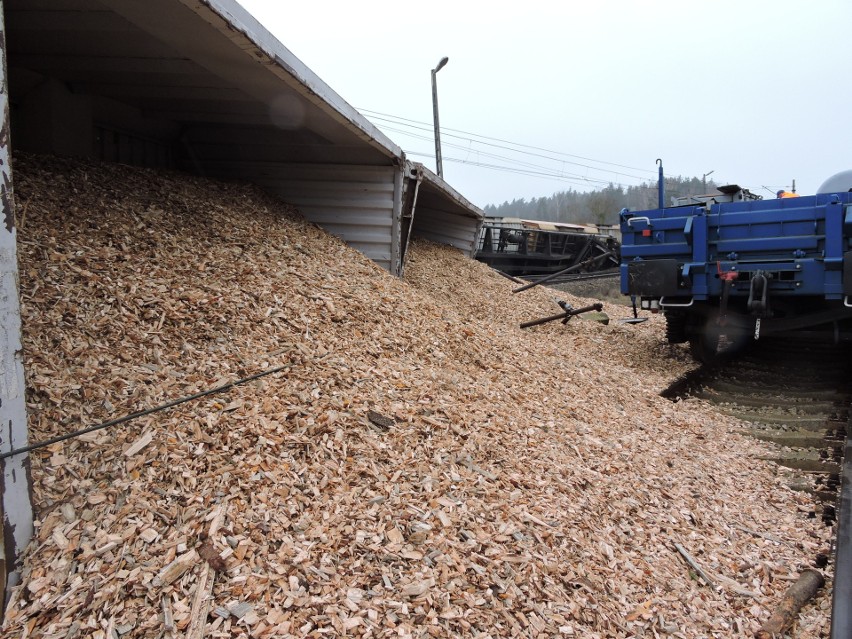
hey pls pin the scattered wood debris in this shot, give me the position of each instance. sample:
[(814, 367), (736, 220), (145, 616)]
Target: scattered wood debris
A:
[(382, 422), (809, 582), (525, 483)]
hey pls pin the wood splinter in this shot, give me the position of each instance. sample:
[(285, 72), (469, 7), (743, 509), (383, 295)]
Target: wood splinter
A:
[(796, 596), (694, 565)]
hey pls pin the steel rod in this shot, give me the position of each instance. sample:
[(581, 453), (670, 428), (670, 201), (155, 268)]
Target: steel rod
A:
[(510, 277), (143, 413), (563, 271), (566, 315)]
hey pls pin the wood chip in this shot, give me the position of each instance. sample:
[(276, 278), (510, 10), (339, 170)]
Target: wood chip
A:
[(168, 618), (418, 588), (201, 602), (149, 535), (139, 444), (176, 568), (240, 609), (421, 466)]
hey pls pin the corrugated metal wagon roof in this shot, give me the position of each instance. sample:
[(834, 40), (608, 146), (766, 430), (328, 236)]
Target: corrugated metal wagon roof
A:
[(190, 62)]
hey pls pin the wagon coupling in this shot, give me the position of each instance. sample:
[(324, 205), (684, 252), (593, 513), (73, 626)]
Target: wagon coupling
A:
[(758, 293)]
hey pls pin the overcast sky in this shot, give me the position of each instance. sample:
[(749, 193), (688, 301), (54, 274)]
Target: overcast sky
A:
[(757, 91)]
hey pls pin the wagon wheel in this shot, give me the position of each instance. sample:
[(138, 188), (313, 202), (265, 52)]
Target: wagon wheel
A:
[(704, 340), (704, 347)]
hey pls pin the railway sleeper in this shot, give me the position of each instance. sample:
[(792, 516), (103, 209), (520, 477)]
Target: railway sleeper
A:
[(798, 399)]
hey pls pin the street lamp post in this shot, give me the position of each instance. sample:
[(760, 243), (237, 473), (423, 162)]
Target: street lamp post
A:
[(704, 181), (438, 163)]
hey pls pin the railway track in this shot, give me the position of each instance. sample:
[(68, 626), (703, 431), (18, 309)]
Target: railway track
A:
[(797, 395)]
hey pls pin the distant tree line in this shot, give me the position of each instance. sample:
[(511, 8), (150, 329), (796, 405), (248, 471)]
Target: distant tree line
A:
[(597, 207)]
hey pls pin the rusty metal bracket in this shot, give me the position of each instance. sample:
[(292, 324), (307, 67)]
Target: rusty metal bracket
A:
[(567, 313)]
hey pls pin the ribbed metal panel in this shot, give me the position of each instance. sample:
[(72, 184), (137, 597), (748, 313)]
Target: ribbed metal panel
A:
[(442, 215), (447, 228), (355, 203)]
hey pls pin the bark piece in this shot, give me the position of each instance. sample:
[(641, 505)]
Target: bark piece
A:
[(797, 595), (382, 422)]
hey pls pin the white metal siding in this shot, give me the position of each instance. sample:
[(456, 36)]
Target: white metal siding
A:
[(355, 203), (447, 228)]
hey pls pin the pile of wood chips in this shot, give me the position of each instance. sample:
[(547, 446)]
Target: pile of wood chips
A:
[(419, 467)]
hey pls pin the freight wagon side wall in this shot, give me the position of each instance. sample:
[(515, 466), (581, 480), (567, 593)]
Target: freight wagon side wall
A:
[(802, 241), (16, 508), (359, 204), (434, 223)]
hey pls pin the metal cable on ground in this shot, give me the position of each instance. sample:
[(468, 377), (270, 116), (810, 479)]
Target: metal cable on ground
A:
[(143, 413)]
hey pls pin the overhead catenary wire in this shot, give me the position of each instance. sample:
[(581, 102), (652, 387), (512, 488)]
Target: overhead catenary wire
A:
[(379, 115), (579, 180), (607, 175), (521, 171), (142, 413), (544, 170), (538, 155)]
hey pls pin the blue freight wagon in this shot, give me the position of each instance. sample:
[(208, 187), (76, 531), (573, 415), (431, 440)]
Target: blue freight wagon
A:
[(735, 266)]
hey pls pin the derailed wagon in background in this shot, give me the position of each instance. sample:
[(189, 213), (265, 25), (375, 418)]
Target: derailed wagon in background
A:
[(530, 247), (735, 267)]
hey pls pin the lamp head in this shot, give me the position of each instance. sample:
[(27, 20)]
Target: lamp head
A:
[(441, 64)]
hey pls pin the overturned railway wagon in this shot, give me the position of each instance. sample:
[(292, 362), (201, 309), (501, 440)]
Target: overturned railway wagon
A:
[(738, 268), (519, 249)]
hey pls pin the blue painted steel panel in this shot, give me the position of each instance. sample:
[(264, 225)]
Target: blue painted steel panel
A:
[(667, 249), (801, 241), (767, 243), (732, 218), (834, 239), (699, 254)]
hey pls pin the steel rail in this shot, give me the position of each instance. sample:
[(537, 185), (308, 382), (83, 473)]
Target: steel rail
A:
[(841, 596), (815, 376)]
